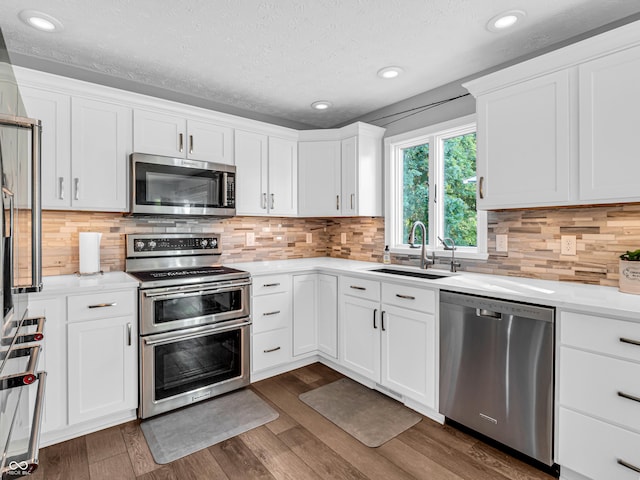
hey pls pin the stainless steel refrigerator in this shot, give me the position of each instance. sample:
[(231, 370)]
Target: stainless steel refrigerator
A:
[(21, 385)]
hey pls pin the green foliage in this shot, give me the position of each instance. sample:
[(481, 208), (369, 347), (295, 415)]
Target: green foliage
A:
[(415, 204), (631, 256)]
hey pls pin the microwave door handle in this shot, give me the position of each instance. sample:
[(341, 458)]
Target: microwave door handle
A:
[(224, 189)]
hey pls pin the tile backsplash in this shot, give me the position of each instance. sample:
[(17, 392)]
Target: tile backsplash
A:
[(534, 236)]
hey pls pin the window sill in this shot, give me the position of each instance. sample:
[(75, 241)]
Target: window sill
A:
[(440, 253)]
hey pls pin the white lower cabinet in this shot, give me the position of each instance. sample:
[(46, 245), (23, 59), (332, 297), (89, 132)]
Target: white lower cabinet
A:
[(599, 396), (388, 335)]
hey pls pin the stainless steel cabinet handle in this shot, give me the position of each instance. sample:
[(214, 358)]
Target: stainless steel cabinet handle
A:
[(275, 312), (630, 341), (382, 320), (273, 200), (629, 397), (129, 334), (375, 311), (355, 287), (264, 201), (190, 143), (481, 187), (61, 188), (180, 143), (271, 350), (628, 465), (76, 188), (337, 202), (353, 196), (271, 284), (406, 297), (435, 193), (102, 305)]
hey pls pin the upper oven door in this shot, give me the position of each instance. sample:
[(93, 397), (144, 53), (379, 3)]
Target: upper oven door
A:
[(172, 308), (176, 186)]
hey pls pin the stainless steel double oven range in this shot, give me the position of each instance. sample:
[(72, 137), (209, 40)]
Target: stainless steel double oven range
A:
[(194, 320)]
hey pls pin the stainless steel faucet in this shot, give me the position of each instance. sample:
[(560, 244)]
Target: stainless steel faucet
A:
[(449, 244), (424, 260)]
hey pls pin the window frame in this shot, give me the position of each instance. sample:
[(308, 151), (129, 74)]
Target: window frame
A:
[(393, 146)]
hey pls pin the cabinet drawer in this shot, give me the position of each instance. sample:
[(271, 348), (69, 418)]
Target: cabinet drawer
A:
[(271, 349), (271, 284), (420, 299), (600, 334), (590, 383), (358, 287), (271, 312), (593, 448), (101, 305)]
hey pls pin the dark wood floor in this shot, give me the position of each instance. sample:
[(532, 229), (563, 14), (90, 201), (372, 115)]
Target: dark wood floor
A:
[(300, 444)]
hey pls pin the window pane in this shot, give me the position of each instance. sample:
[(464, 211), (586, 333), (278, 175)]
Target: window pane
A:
[(415, 188), (460, 219)]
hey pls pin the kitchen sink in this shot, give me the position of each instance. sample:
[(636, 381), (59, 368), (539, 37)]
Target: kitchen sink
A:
[(409, 273)]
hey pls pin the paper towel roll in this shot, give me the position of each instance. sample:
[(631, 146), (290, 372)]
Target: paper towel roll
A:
[(90, 252)]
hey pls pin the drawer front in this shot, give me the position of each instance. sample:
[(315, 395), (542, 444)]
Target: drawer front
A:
[(593, 448), (264, 285), (93, 306), (420, 299), (603, 335), (590, 383), (271, 312), (271, 349), (358, 287)]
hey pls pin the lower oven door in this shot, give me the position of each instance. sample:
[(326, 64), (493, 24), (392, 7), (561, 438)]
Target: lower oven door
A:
[(171, 308), (186, 366)]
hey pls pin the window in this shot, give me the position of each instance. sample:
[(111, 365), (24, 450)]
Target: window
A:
[(431, 177)]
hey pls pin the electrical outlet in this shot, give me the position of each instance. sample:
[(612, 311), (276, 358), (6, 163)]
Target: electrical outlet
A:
[(568, 245), (250, 240), (343, 238), (502, 243), (309, 238)]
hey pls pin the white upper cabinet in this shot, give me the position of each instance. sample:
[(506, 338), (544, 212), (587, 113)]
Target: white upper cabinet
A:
[(340, 171), (554, 130), (176, 136), (524, 144), (100, 147), (609, 106), (266, 174)]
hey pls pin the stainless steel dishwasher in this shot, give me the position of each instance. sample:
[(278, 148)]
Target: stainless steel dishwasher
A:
[(496, 370)]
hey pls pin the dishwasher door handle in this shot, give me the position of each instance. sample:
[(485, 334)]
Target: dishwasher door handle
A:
[(481, 312)]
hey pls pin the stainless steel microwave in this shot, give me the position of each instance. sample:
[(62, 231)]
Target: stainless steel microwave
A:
[(178, 186)]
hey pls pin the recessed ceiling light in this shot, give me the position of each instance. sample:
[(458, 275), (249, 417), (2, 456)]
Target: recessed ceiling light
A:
[(321, 105), (505, 20), (389, 72), (41, 21)]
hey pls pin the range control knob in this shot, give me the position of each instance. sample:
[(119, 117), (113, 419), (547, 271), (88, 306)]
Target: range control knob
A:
[(151, 244), (204, 242), (139, 245)]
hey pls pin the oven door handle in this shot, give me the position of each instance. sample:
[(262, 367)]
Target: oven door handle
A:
[(172, 337), (191, 293)]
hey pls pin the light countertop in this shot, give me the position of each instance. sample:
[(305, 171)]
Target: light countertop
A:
[(69, 284)]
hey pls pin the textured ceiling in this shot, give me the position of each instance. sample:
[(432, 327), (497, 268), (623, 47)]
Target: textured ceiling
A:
[(276, 57)]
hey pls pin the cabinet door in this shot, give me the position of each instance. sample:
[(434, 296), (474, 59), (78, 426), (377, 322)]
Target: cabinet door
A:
[(360, 336), (251, 150), (408, 353), (319, 179), (349, 171), (159, 134), (328, 314), (103, 366), (524, 144), (209, 142), (100, 146), (54, 111), (609, 106), (305, 313), (283, 176), (53, 360)]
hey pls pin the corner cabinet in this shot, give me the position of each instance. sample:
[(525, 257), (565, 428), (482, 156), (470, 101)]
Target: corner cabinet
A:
[(266, 174), (176, 136), (340, 171)]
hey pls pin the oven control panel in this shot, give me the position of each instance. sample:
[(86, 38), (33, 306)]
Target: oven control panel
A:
[(172, 244)]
